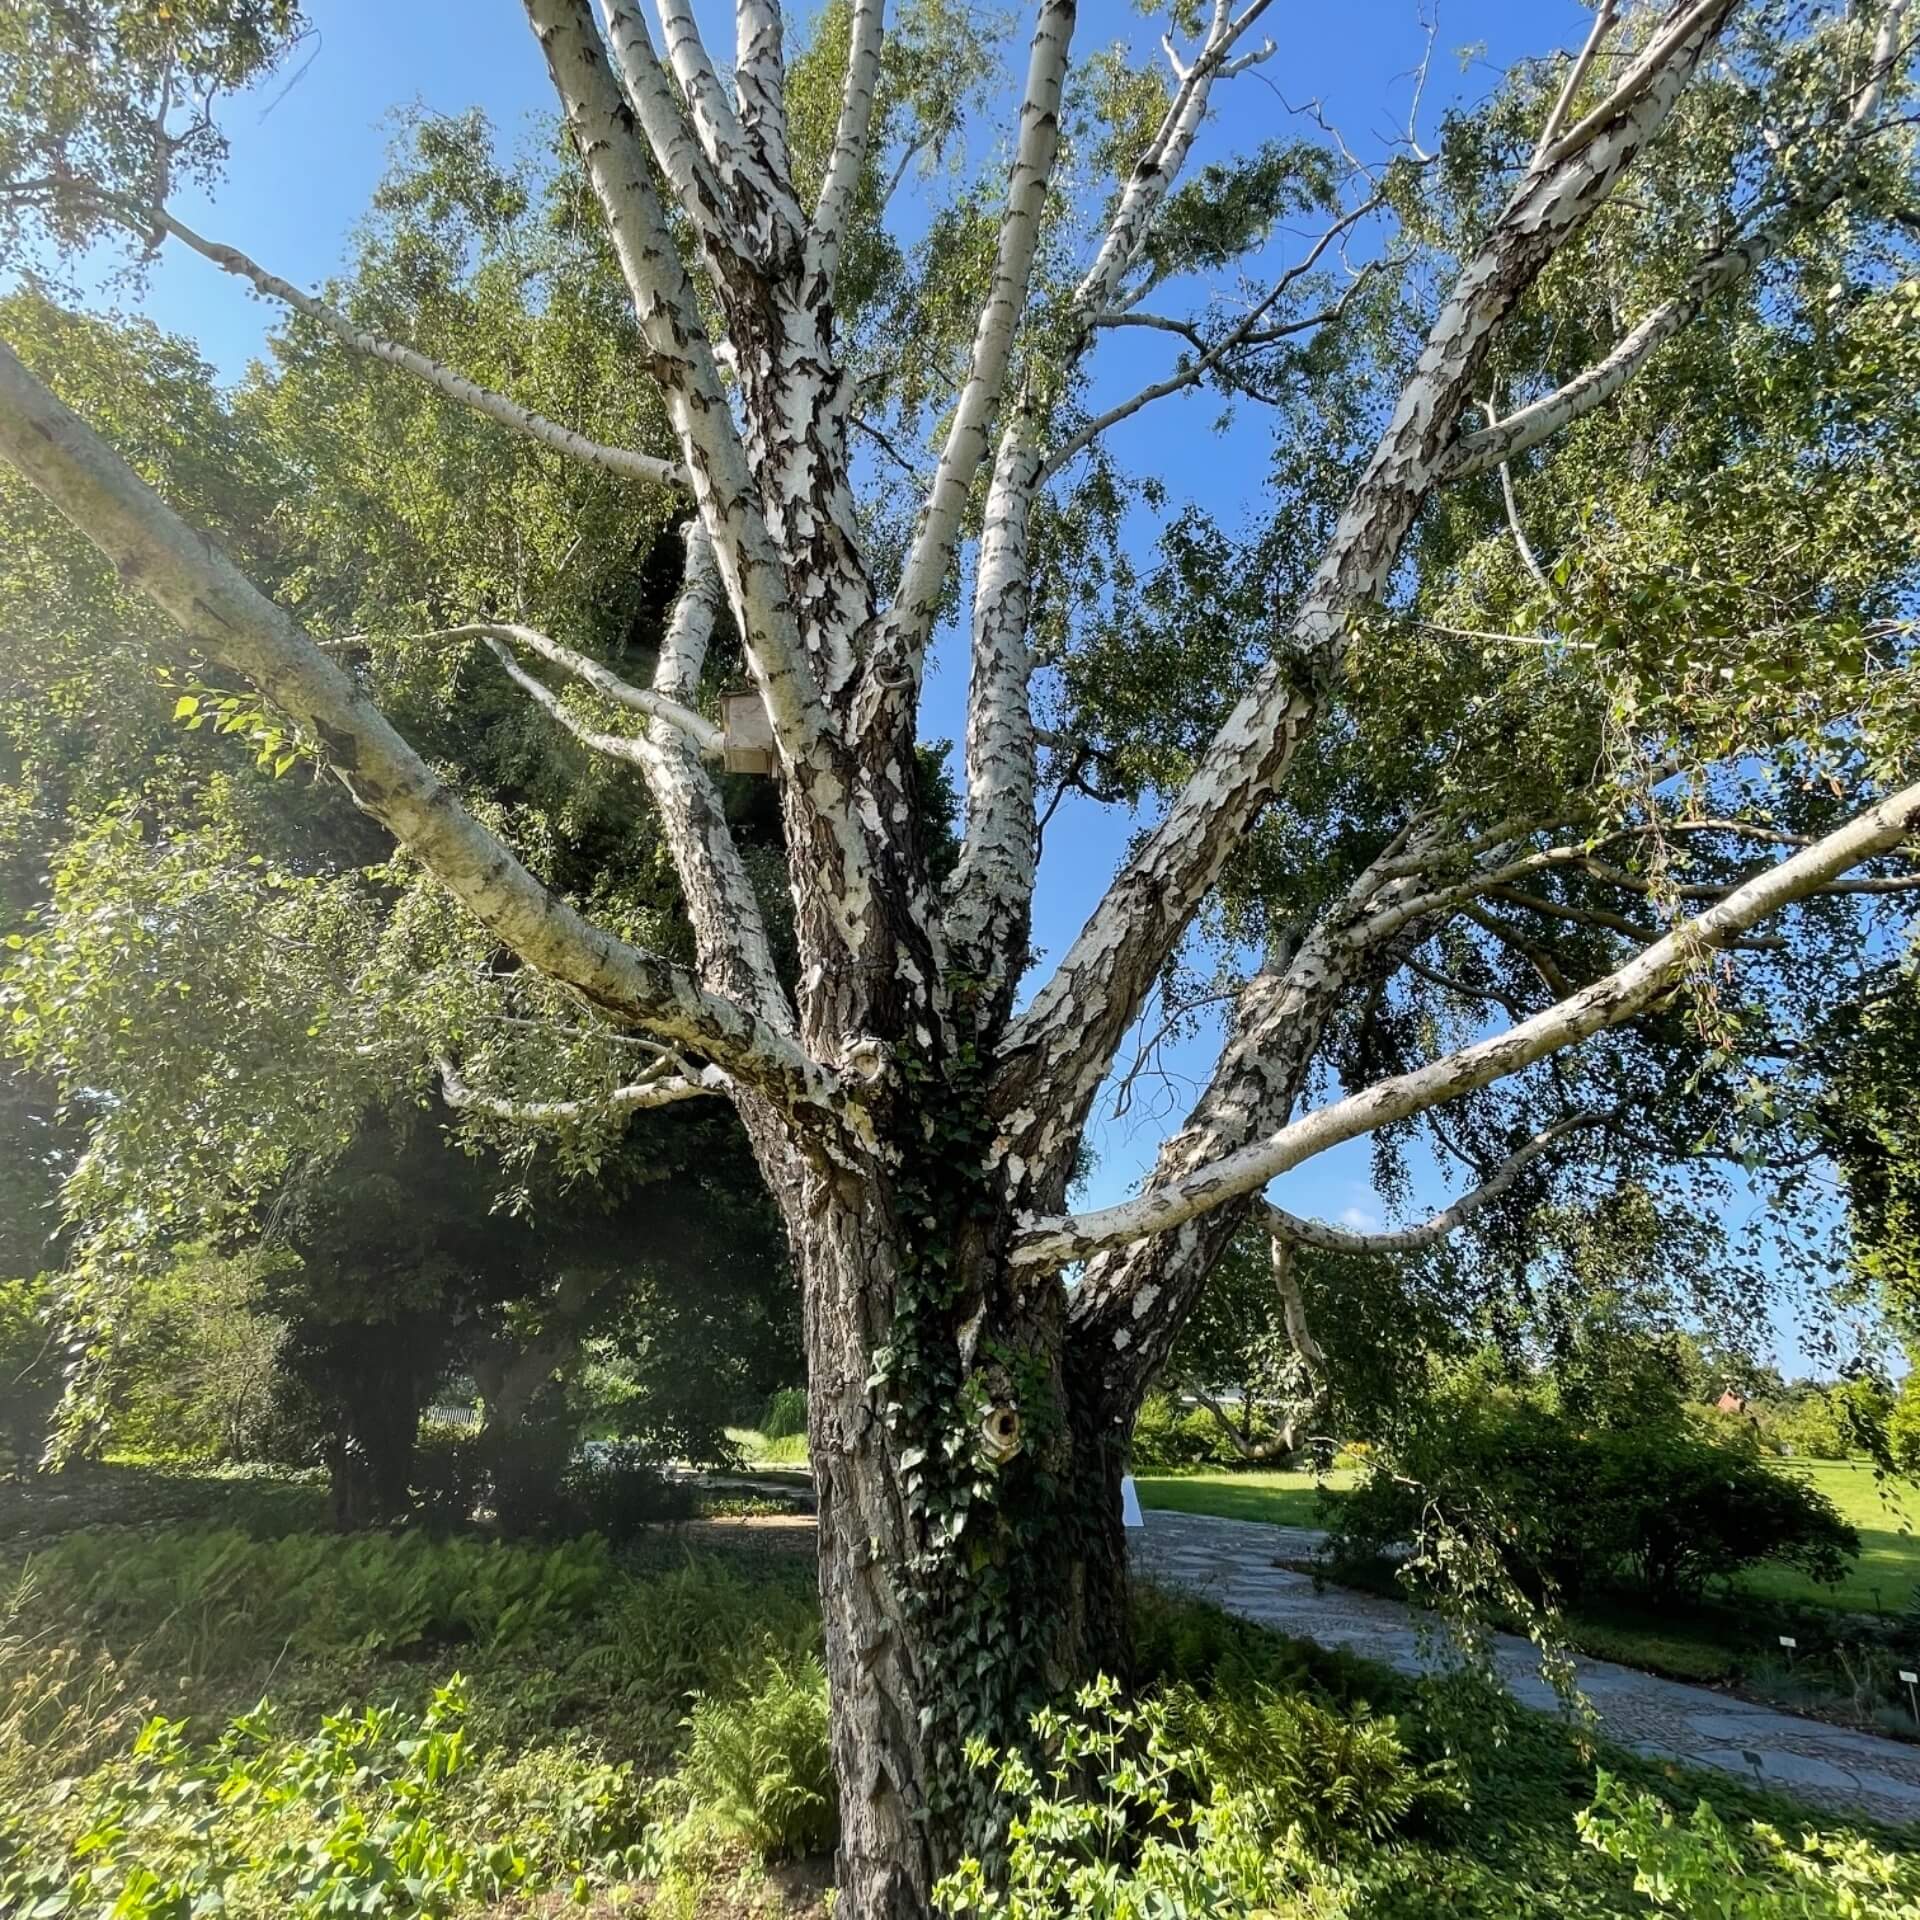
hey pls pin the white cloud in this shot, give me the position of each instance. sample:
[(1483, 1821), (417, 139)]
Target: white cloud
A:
[(1360, 1220)]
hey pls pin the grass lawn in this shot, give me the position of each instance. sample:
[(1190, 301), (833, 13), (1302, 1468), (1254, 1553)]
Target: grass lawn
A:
[(1885, 1576), (1282, 1499)]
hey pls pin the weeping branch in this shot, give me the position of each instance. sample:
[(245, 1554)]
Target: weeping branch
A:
[(218, 608), (1430, 1232), (1628, 991), (456, 386), (501, 635), (1528, 426)]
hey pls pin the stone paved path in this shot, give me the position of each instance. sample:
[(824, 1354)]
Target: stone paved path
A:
[(1231, 1562)]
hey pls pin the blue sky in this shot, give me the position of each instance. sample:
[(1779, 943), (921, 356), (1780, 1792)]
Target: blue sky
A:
[(306, 157)]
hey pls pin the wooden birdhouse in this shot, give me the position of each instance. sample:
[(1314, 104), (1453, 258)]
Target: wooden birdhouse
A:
[(746, 730)]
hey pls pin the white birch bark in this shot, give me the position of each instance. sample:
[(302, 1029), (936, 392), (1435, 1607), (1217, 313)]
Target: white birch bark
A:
[(1062, 1046), (893, 674), (989, 908), (1539, 420), (624, 461), (603, 680), (634, 1096), (1436, 1227), (1628, 991), (724, 486), (827, 235), (215, 605)]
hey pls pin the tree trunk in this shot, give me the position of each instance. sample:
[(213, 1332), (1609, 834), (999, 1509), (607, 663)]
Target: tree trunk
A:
[(972, 1564)]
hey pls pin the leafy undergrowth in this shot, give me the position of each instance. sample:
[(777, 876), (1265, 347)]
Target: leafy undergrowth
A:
[(196, 1719)]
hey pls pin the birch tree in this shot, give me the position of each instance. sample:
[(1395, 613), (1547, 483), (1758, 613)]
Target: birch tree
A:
[(918, 1084)]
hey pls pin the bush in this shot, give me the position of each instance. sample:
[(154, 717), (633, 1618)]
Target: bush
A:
[(1812, 1428), (1903, 1427), (1111, 1824), (759, 1764), (1165, 1440), (614, 1489), (1698, 1868), (785, 1415), (449, 1475), (30, 1369), (1562, 1508), (377, 1812)]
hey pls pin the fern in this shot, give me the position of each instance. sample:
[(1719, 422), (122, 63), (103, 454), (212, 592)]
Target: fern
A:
[(759, 1764), (1333, 1775)]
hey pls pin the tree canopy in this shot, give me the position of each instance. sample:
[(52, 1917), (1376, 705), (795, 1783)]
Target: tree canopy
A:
[(1527, 776)]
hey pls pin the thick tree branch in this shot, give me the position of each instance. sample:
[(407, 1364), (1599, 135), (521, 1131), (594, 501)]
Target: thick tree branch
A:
[(456, 386), (1539, 420), (752, 171), (683, 160), (1628, 991), (990, 894), (760, 80), (185, 574), (841, 187), (1159, 166), (1429, 1232), (1057, 1052), (727, 492), (894, 668), (1603, 20)]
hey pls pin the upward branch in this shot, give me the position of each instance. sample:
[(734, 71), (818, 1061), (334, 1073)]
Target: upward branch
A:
[(683, 363), (1058, 1051), (187, 575), (1540, 419), (894, 669)]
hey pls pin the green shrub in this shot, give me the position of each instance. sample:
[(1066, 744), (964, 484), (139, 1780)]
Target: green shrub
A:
[(1699, 1868), (1165, 1440), (30, 1368), (759, 1764), (449, 1475), (615, 1489), (1108, 1823), (785, 1415), (1563, 1508), (1336, 1776), (377, 1812), (1903, 1427)]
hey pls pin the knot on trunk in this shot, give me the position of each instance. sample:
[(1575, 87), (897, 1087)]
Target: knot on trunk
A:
[(1000, 1432)]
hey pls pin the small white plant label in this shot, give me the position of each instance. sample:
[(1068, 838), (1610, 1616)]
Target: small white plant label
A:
[(1909, 1679), (1787, 1640)]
